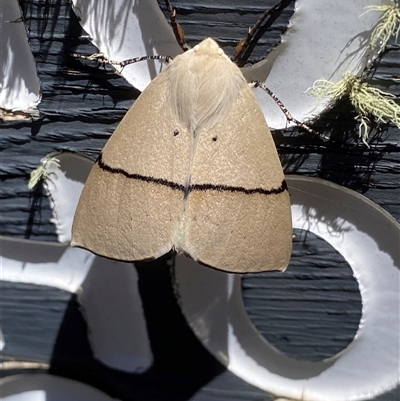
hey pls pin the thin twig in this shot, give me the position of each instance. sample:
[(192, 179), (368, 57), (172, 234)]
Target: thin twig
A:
[(178, 31), (245, 42)]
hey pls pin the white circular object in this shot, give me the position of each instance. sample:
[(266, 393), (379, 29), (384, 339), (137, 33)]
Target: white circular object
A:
[(368, 238), (43, 387)]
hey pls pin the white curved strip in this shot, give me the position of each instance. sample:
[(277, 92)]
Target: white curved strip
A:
[(64, 183), (324, 40), (368, 239), (40, 387), (123, 30), (44, 263), (2, 342), (113, 310), (108, 290), (19, 82)]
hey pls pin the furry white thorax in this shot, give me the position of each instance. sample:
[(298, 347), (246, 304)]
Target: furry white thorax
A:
[(203, 84)]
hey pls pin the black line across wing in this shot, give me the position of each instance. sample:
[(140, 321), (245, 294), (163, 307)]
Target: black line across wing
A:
[(139, 177), (194, 187)]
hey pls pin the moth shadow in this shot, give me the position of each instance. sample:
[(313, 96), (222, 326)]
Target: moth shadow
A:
[(181, 365)]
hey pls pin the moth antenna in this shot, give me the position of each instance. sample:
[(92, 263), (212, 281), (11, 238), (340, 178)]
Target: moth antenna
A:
[(289, 117), (178, 30), (255, 32), (102, 58), (124, 63), (99, 57)]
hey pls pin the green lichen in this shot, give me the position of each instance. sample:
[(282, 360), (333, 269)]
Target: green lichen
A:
[(387, 26), (366, 100), (40, 173)]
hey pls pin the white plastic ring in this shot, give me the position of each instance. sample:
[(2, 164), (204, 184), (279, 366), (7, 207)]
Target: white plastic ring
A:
[(368, 238)]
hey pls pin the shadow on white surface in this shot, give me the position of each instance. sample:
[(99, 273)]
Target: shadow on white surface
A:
[(363, 233)]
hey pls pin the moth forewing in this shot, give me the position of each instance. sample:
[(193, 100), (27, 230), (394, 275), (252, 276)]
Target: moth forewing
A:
[(191, 167)]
